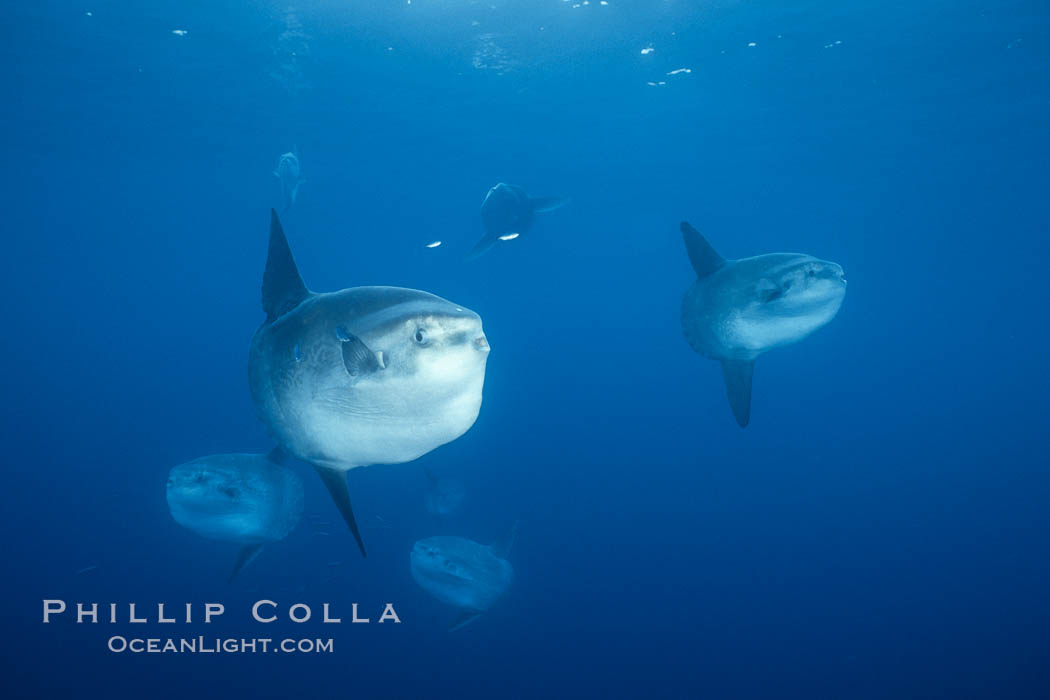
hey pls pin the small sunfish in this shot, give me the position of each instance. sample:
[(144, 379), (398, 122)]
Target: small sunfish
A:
[(242, 498), (287, 173), (463, 573)]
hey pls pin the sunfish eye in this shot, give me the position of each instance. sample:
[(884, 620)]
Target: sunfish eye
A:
[(421, 336)]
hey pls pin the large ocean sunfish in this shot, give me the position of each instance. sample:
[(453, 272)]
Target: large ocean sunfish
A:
[(508, 212), (738, 309), (463, 573), (366, 375), (242, 498)]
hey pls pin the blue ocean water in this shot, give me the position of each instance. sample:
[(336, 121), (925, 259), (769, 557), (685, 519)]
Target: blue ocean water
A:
[(879, 530)]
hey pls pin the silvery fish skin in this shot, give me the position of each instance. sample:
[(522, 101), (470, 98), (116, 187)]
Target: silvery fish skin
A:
[(241, 498), (369, 375)]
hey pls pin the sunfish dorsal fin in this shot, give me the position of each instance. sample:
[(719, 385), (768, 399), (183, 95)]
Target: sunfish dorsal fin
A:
[(283, 289), (335, 480), (501, 547), (704, 258), (545, 204), (244, 557), (463, 619), (737, 375)]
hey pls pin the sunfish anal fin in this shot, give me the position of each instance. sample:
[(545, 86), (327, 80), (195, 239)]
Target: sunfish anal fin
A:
[(482, 246), (464, 619), (245, 557), (335, 480), (704, 258), (737, 375), (283, 288)]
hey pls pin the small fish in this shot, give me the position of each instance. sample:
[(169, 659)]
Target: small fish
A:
[(435, 244), (321, 533), (85, 570), (288, 173), (509, 237), (179, 32)]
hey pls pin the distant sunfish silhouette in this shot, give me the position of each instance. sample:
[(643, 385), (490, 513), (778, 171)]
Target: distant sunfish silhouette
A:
[(508, 212), (367, 375), (241, 498), (463, 573), (287, 173), (444, 496), (738, 309)]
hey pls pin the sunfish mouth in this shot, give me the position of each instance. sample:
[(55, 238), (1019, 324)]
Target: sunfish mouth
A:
[(482, 343)]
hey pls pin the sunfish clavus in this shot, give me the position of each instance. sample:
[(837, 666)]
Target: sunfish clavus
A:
[(738, 309), (242, 498), (366, 375), (463, 573)]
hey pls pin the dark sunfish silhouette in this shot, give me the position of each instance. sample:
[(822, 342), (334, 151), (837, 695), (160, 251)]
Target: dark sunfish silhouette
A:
[(367, 375), (508, 212), (241, 498), (738, 309)]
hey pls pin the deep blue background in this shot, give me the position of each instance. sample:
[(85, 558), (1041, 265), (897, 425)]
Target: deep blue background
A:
[(880, 530)]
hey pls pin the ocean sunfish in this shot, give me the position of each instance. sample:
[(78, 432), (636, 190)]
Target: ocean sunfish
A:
[(463, 573), (242, 498), (738, 309), (287, 173), (366, 375), (508, 212), (444, 496)]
